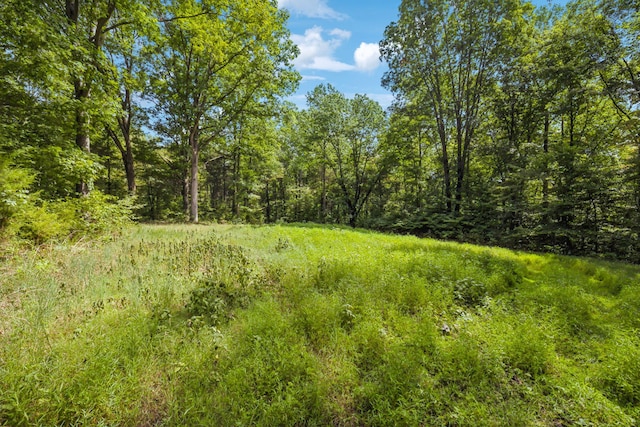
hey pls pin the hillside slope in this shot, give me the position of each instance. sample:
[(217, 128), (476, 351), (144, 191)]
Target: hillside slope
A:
[(306, 325)]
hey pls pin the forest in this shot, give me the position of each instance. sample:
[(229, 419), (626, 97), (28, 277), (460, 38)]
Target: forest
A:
[(182, 245), (512, 125)]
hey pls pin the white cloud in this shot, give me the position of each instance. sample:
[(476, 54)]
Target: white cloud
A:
[(341, 34), (329, 64), (312, 78), (316, 53), (367, 56), (311, 8)]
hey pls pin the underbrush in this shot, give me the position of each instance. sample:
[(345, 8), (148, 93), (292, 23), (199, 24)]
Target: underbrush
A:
[(231, 325)]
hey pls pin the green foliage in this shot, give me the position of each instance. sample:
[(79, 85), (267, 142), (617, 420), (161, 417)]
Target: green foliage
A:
[(269, 378), (241, 57), (41, 224), (60, 169), (529, 349), (619, 377), (551, 166), (513, 125), (25, 215), (14, 191), (470, 293), (92, 216), (230, 285), (99, 214)]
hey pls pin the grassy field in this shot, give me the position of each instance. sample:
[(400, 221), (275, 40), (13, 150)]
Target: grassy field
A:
[(286, 325)]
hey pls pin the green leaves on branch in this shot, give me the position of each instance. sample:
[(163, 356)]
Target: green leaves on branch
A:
[(518, 125), (345, 135)]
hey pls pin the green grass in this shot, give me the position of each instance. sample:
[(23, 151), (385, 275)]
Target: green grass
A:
[(306, 325)]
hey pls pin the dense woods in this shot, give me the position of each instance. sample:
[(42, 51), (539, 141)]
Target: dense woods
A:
[(512, 125)]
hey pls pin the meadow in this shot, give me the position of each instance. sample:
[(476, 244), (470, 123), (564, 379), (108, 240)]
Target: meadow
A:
[(226, 325)]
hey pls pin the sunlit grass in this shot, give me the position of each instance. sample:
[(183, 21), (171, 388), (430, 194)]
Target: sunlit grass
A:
[(292, 325)]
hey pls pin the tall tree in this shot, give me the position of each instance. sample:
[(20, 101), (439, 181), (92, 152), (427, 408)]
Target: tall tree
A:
[(621, 79), (128, 57), (87, 26), (516, 111), (215, 66), (350, 131), (36, 97), (443, 54)]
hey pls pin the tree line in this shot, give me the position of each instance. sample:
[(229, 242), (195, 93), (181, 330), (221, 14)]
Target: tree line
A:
[(511, 125)]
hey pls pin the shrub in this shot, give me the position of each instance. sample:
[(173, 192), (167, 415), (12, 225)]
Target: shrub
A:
[(230, 282), (14, 191), (215, 300), (41, 221), (40, 224), (99, 214)]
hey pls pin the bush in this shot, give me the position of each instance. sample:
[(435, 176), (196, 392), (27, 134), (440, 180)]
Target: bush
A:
[(99, 214), (40, 224), (14, 191), (231, 281), (92, 216)]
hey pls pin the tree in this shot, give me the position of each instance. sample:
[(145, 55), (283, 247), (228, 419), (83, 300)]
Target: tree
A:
[(621, 81), (516, 110), (229, 57), (443, 55), (127, 62), (349, 132), (36, 106), (87, 27)]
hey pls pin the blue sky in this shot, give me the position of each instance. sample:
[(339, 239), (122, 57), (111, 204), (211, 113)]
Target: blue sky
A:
[(338, 42)]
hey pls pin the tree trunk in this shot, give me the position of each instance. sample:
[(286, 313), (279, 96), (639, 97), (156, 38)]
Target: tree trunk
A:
[(235, 208), (323, 196), (446, 170), (193, 211), (419, 174), (127, 158), (268, 201), (545, 179), (82, 128), (459, 185), (459, 160), (127, 150), (185, 192), (352, 219)]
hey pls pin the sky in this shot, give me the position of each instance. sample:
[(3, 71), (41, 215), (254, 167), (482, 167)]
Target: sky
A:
[(338, 42)]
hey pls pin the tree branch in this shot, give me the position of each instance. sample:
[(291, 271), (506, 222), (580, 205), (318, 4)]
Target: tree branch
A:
[(161, 19), (115, 138)]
